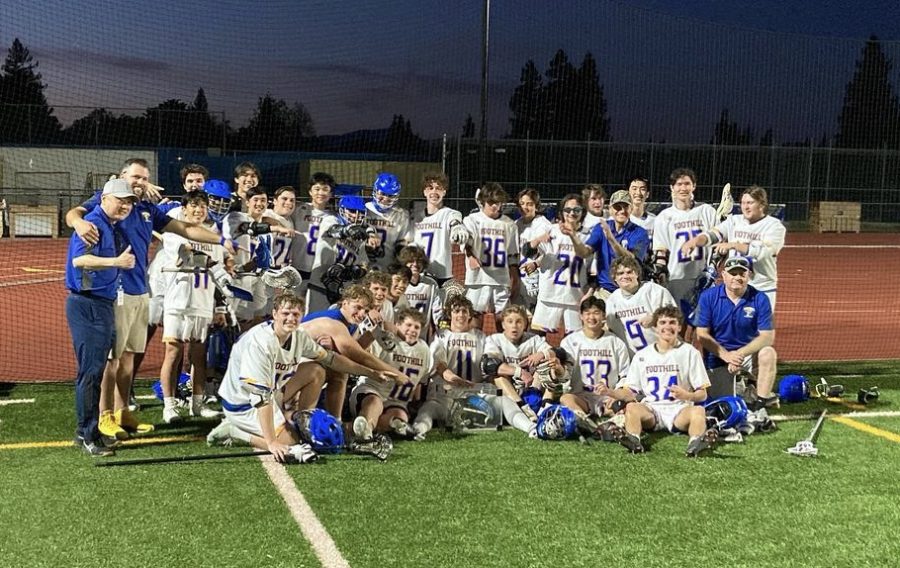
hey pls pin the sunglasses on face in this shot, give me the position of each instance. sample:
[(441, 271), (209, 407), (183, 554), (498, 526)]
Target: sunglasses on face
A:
[(573, 210)]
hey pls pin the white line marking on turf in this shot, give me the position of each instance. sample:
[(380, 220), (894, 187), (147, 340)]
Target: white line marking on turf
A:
[(146, 397), (874, 414), (326, 550), (17, 401)]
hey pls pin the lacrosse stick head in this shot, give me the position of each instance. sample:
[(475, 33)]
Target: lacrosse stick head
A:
[(726, 203), (804, 448), (286, 277)]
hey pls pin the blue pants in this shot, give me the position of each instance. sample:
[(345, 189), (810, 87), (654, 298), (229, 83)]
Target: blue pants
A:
[(93, 327)]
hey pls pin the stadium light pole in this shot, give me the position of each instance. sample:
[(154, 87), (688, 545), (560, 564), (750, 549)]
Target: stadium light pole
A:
[(482, 135)]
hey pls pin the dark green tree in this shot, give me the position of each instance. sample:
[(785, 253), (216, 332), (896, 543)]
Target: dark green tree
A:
[(401, 139), (25, 116), (590, 118), (526, 105), (468, 130), (275, 125), (559, 115), (728, 133), (870, 117)]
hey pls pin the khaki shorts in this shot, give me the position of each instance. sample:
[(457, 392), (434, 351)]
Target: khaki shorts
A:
[(132, 318)]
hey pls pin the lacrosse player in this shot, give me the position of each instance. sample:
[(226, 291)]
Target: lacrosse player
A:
[(281, 214), (639, 191), (382, 406), (439, 227), (308, 219), (599, 361), (671, 377), (391, 223), (594, 197), (457, 364), (263, 371), (422, 293), (734, 325), (753, 234), (530, 225), (193, 176), (492, 256), (509, 360), (189, 310), (246, 177), (630, 308), (675, 226), (336, 328), (340, 253), (559, 252)]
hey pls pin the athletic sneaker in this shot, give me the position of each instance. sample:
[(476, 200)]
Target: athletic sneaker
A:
[(221, 435), (362, 431), (401, 428), (130, 424), (420, 431), (632, 443), (171, 415), (204, 411), (609, 431), (109, 428), (97, 449), (703, 443)]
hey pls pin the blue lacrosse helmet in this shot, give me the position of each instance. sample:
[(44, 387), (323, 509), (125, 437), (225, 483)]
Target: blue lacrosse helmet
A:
[(385, 191), (471, 411), (219, 198), (556, 422), (352, 209), (183, 389), (728, 411), (793, 388), (320, 430), (533, 397)]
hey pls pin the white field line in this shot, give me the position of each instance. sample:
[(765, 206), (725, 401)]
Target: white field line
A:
[(17, 401), (841, 246), (324, 547), (875, 414)]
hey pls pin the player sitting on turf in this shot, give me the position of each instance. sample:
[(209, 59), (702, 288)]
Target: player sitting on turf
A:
[(492, 256), (600, 360), (670, 376), (382, 406), (509, 359), (563, 274), (457, 356), (262, 370), (189, 306), (438, 227), (630, 308)]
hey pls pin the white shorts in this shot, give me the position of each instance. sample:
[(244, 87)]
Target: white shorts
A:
[(156, 310), (488, 299), (547, 316), (180, 327), (596, 403), (665, 413), (771, 296), (248, 421)]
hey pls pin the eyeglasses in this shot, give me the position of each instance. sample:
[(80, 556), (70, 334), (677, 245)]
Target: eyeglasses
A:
[(619, 206), (573, 210)]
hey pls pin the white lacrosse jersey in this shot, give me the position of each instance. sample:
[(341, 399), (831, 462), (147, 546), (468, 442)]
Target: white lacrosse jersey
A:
[(156, 278), (495, 242), (512, 353), (250, 283), (562, 274), (424, 297), (414, 361), (652, 373), (190, 294), (766, 238), (260, 366), (461, 351), (331, 251), (307, 221), (674, 227), (393, 227), (590, 221), (432, 234), (538, 226), (281, 244), (625, 311), (648, 222), (600, 361)]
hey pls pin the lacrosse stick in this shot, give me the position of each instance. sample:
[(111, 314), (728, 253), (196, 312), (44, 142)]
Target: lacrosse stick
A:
[(221, 279), (285, 277), (292, 458), (726, 204), (807, 448)]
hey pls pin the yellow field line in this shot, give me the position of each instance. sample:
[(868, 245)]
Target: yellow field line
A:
[(863, 427), (848, 404), (68, 443)]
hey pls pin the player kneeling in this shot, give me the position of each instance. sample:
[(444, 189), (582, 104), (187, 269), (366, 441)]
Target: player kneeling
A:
[(262, 366), (381, 405), (670, 376)]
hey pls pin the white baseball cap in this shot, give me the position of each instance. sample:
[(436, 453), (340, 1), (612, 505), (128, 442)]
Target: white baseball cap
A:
[(118, 188)]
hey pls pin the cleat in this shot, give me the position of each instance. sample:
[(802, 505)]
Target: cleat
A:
[(420, 432), (401, 428), (127, 421), (362, 431), (221, 435), (109, 428), (703, 443), (632, 443), (609, 432), (172, 415), (97, 449), (203, 411)]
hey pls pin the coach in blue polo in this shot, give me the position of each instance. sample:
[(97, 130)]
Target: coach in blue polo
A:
[(734, 325), (93, 277)]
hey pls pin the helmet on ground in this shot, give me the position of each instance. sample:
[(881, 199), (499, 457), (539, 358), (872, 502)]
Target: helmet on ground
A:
[(471, 411), (556, 422), (385, 191), (793, 388), (320, 430), (728, 411)]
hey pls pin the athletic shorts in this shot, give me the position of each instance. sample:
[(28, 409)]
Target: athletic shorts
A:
[(488, 299), (547, 316), (248, 420), (665, 413), (157, 307), (180, 327), (132, 319), (596, 403), (360, 392)]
